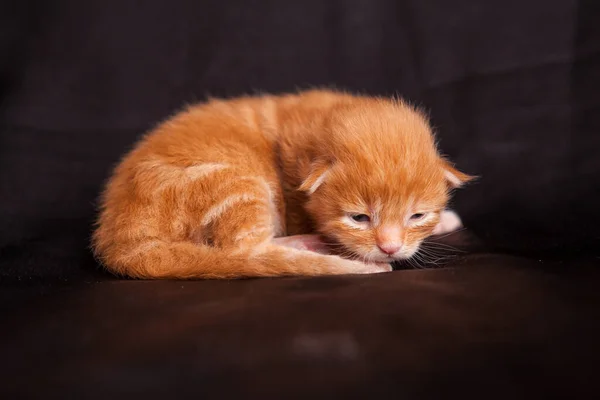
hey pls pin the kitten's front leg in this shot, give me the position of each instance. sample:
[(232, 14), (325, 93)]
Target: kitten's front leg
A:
[(303, 242), (449, 222)]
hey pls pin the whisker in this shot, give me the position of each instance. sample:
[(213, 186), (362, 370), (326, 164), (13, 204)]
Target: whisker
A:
[(434, 254), (431, 252), (412, 263), (441, 246), (450, 233)]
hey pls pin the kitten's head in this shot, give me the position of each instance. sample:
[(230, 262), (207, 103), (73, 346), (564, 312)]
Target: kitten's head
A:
[(377, 183)]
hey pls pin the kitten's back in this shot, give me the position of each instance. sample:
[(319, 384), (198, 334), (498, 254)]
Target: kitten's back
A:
[(200, 196)]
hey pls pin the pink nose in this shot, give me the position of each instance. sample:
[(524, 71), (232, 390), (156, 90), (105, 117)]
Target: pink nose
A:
[(389, 248)]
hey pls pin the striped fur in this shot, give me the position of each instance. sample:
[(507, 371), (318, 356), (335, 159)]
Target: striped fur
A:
[(209, 192)]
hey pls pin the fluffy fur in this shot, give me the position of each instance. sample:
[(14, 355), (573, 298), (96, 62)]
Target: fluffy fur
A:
[(212, 191)]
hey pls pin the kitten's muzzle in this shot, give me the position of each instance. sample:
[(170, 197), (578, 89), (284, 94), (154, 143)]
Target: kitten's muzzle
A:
[(389, 248)]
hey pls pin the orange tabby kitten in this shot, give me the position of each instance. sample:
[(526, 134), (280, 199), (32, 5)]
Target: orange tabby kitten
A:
[(212, 192)]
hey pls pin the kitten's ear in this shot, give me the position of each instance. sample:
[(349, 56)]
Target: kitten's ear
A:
[(454, 177), (316, 176)]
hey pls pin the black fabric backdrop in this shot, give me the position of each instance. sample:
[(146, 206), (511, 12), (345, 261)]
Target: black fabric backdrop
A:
[(512, 87)]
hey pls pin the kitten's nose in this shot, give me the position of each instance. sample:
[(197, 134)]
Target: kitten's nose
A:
[(389, 247)]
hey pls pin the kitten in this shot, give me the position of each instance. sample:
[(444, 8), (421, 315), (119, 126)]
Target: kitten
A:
[(212, 191)]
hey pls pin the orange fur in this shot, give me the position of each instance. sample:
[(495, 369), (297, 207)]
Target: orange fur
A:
[(205, 193)]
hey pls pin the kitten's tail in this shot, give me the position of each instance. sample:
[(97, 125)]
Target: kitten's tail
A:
[(186, 260)]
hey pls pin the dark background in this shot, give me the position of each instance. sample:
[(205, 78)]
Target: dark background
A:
[(512, 87)]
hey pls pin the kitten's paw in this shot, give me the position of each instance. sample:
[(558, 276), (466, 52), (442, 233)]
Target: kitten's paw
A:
[(303, 242), (380, 267), (449, 222), (358, 267)]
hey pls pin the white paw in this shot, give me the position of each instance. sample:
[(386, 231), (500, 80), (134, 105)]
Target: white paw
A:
[(382, 267), (359, 267), (449, 221), (376, 268)]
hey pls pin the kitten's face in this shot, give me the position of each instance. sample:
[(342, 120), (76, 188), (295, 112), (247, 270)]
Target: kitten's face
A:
[(379, 195), (375, 219)]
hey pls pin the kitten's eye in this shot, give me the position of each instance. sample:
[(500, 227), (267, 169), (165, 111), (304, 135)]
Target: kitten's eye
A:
[(361, 217), (417, 216)]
